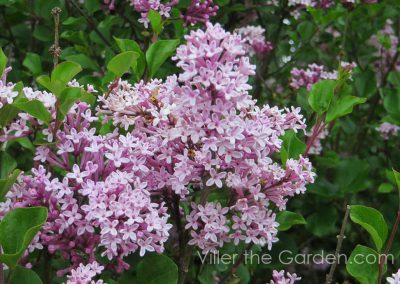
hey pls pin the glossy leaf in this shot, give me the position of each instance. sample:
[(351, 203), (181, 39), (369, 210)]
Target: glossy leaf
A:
[(34, 108), (155, 21), (343, 106), (65, 71), (154, 269), (3, 62), (363, 265), (158, 53), (17, 229), (288, 219), (321, 95), (23, 275), (292, 146), (7, 182), (121, 63), (139, 65), (372, 221)]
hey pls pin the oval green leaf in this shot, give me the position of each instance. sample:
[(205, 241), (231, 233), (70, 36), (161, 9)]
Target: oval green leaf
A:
[(372, 221), (17, 230)]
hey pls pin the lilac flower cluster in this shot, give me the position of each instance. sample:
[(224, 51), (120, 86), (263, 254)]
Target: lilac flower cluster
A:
[(198, 11), (280, 278), (209, 133), (316, 146), (387, 130), (314, 73), (254, 38), (200, 131), (386, 43)]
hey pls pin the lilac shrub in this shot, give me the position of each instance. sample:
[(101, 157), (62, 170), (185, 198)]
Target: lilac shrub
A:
[(198, 131)]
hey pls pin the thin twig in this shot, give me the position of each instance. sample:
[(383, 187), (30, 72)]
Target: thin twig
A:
[(340, 237), (55, 50), (383, 258)]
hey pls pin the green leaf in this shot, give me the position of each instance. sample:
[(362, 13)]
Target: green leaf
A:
[(139, 65), (292, 146), (7, 114), (34, 108), (121, 63), (306, 30), (343, 106), (321, 95), (287, 219), (397, 178), (33, 63), (3, 62), (363, 265), (7, 164), (83, 60), (65, 71), (155, 269), (155, 21), (7, 183), (23, 275), (158, 53), (372, 221), (17, 230), (385, 187)]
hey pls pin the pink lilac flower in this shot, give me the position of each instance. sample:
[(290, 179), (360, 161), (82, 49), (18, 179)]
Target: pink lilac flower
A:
[(200, 11), (387, 130), (254, 38), (386, 43), (279, 277), (84, 274), (395, 279), (314, 73), (206, 131), (7, 93), (144, 7), (192, 133)]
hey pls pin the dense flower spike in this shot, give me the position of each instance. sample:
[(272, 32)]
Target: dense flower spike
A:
[(144, 7), (7, 93), (280, 278), (190, 134), (314, 73), (255, 42)]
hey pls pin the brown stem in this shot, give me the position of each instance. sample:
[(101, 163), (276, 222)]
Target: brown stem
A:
[(56, 51), (319, 125), (340, 238), (389, 245)]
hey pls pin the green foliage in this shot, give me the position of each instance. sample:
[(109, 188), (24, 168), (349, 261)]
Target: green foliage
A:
[(34, 108), (292, 146), (158, 53), (7, 182), (17, 229), (121, 63), (3, 62), (372, 221), (154, 269), (33, 63), (155, 21), (22, 275), (363, 264), (65, 72), (321, 95), (287, 219), (139, 65)]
